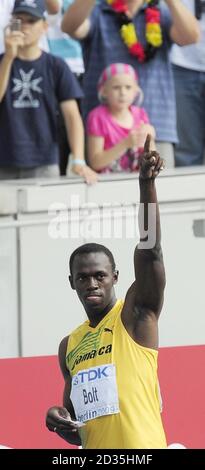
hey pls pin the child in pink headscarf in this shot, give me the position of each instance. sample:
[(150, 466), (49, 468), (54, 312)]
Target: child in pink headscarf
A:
[(117, 129)]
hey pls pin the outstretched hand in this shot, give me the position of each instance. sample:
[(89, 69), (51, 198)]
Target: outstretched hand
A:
[(58, 419), (150, 163)]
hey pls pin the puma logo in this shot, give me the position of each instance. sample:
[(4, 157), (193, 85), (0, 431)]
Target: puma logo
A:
[(108, 330)]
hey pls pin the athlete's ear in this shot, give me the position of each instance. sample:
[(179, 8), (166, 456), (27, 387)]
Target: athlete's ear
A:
[(71, 282), (115, 276)]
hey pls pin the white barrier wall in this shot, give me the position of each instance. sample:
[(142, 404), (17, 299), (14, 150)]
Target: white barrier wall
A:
[(9, 344), (40, 302)]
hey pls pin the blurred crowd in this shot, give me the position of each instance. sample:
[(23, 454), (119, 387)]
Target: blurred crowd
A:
[(82, 82)]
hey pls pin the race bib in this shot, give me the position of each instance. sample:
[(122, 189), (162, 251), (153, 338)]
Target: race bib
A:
[(94, 392)]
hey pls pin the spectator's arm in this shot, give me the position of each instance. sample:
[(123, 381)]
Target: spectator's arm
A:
[(76, 18), (52, 6), (99, 158), (75, 135), (74, 127), (5, 70), (12, 42), (185, 27)]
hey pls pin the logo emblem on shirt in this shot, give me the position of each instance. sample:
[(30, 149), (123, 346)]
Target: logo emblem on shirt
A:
[(25, 85), (108, 330)]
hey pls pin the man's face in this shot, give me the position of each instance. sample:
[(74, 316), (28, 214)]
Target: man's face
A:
[(93, 279)]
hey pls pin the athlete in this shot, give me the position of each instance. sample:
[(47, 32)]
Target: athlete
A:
[(109, 362)]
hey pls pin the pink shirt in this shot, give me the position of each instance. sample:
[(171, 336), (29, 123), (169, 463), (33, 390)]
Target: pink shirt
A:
[(101, 123)]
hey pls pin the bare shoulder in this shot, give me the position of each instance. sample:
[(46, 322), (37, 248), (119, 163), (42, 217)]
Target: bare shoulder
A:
[(62, 355)]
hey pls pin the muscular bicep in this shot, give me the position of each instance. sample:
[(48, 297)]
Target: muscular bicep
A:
[(144, 299), (140, 323), (149, 279)]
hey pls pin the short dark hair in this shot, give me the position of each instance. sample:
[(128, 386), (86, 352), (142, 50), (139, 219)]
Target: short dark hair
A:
[(91, 248)]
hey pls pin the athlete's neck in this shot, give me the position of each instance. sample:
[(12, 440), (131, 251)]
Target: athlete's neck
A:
[(96, 316)]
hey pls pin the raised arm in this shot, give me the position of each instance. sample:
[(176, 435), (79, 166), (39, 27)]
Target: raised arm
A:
[(52, 6), (76, 18), (185, 28), (144, 299), (58, 417), (13, 40)]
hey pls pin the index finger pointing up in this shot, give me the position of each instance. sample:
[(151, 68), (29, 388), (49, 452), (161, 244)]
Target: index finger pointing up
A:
[(147, 143)]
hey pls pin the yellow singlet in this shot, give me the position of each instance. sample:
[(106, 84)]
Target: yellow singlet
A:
[(137, 424)]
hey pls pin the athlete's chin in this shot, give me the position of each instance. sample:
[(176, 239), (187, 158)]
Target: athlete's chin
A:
[(94, 300)]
